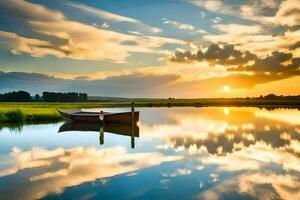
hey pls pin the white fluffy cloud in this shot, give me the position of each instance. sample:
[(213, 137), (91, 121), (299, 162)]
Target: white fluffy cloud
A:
[(70, 39), (179, 25), (252, 38)]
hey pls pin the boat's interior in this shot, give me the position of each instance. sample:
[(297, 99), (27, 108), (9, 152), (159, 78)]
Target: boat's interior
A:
[(87, 113), (80, 112)]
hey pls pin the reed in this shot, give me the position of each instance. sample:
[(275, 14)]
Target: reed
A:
[(14, 116), (19, 116), (51, 117)]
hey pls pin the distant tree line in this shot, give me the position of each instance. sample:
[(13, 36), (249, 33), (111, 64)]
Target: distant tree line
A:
[(22, 96), (275, 97), (280, 97), (64, 97)]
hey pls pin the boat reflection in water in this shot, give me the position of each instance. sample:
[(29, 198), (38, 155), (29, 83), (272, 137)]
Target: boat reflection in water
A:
[(125, 129)]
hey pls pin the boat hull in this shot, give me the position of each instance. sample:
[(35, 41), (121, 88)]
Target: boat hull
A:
[(125, 117)]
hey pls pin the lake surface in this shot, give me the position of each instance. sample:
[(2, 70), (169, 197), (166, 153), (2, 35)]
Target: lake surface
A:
[(180, 153)]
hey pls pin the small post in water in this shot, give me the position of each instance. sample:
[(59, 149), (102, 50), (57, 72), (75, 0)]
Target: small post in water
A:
[(132, 125), (101, 116)]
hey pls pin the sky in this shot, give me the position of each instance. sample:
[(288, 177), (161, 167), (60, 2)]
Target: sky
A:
[(141, 48)]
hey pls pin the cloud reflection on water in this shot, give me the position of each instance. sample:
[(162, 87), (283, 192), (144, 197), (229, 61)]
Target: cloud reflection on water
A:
[(250, 152), (262, 146), (44, 171)]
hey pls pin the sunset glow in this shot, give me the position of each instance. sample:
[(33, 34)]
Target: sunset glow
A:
[(149, 99), (226, 88), (251, 46)]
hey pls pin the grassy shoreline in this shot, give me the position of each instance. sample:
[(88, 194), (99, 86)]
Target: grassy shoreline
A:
[(11, 112)]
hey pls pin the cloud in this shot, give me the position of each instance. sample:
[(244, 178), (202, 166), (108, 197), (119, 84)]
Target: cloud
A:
[(35, 47), (26, 10), (64, 38), (238, 28), (187, 27), (216, 20), (81, 78), (277, 62), (152, 83), (155, 29), (237, 60), (178, 80), (102, 13), (116, 85), (111, 16), (179, 25), (295, 46), (201, 31), (105, 25), (284, 13), (212, 5), (288, 14), (254, 38), (225, 54)]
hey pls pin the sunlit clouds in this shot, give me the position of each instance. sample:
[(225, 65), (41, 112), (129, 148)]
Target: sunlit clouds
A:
[(252, 46), (77, 40)]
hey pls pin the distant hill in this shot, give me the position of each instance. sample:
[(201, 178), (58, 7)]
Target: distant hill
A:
[(100, 98)]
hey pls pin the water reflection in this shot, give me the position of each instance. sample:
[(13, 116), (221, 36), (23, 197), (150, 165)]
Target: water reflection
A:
[(217, 132), (125, 129), (14, 128), (210, 153), (42, 171)]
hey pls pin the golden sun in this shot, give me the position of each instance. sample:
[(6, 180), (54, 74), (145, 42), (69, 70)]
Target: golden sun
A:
[(226, 88)]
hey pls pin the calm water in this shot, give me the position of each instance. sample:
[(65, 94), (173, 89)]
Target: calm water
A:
[(181, 153)]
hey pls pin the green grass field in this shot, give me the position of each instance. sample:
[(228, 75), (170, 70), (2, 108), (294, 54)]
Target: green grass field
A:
[(47, 112), (39, 112)]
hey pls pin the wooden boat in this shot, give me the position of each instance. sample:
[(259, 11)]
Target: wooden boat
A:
[(78, 115), (115, 128)]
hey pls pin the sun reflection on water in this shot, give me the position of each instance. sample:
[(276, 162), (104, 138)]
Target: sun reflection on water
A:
[(242, 151)]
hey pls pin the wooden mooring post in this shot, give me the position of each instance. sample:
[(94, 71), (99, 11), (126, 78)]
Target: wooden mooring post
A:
[(132, 125)]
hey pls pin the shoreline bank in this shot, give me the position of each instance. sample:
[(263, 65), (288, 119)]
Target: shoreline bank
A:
[(11, 112)]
